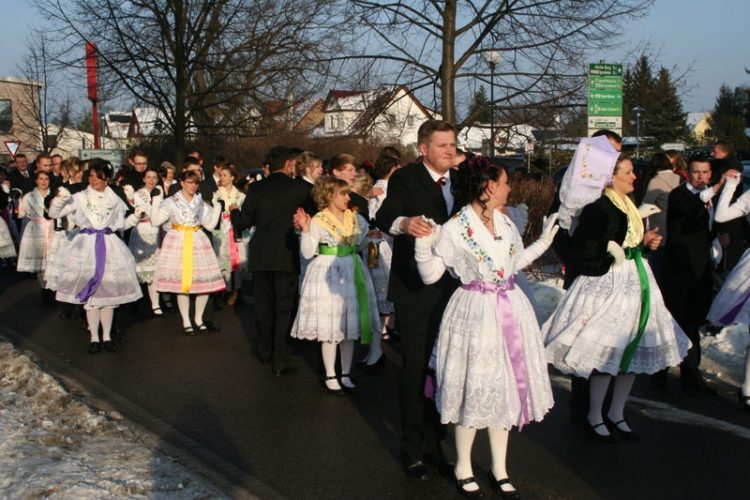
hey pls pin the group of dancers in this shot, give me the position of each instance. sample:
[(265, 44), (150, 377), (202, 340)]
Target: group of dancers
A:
[(433, 241)]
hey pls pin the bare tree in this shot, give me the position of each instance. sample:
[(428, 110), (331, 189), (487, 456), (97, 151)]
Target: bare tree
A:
[(206, 65), (437, 46), (46, 108)]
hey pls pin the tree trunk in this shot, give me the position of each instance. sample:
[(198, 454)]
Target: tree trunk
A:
[(447, 69)]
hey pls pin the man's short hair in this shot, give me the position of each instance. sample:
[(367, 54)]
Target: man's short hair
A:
[(20, 155), (195, 153), (136, 152), (698, 158), (190, 160), (609, 134), (56, 156), (430, 127), (42, 156), (724, 146), (278, 156)]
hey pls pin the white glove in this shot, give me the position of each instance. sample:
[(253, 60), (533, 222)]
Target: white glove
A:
[(140, 211), (617, 252), (549, 228), (63, 194), (648, 209), (129, 191), (423, 245)]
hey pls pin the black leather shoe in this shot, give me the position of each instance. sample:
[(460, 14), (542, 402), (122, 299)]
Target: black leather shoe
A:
[(460, 483), (437, 460), (110, 346), (600, 437), (338, 391), (497, 487), (95, 348), (630, 435), (284, 370), (261, 359), (416, 469), (211, 327), (188, 330)]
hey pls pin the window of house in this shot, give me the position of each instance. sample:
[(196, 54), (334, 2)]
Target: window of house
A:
[(339, 122), (6, 116), (331, 122), (410, 120)]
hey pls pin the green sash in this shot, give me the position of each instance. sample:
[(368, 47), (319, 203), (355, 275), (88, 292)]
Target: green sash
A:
[(636, 253), (365, 336)]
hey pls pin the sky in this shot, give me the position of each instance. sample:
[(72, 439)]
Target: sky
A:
[(711, 40)]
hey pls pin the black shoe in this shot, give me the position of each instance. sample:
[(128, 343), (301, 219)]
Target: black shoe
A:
[(338, 391), (630, 435), (284, 370), (497, 484), (698, 385), (350, 390), (211, 327), (460, 483), (188, 330), (373, 367), (437, 460), (156, 312), (743, 400), (600, 437), (95, 348), (203, 329), (256, 354), (110, 346), (415, 469)]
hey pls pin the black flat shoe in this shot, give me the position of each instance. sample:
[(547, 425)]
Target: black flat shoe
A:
[(416, 469), (377, 365), (630, 435), (460, 483), (202, 329), (110, 346), (743, 400), (338, 391), (156, 312), (95, 348), (437, 460), (497, 487), (600, 437), (211, 327), (188, 330)]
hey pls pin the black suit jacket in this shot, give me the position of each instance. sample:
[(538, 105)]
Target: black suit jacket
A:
[(412, 192), (310, 206), (270, 205), (18, 181), (687, 254)]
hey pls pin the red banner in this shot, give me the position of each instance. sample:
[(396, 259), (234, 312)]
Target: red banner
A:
[(91, 70)]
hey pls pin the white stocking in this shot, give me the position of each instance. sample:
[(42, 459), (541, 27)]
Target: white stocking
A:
[(183, 304), (200, 306), (328, 350), (347, 353), (499, 449), (153, 296), (107, 315), (93, 317), (620, 393), (464, 443), (598, 385)]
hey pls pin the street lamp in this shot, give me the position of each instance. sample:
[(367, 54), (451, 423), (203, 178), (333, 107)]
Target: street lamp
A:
[(638, 110), (492, 57)]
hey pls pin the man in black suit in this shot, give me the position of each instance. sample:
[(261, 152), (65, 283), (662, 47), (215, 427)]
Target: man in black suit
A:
[(419, 190), (273, 255), (688, 264), (20, 177), (734, 234), (136, 169)]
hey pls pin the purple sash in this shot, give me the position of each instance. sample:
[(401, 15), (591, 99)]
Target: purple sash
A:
[(100, 250), (512, 335), (730, 315)]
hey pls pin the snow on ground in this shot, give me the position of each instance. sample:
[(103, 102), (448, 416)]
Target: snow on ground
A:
[(52, 445)]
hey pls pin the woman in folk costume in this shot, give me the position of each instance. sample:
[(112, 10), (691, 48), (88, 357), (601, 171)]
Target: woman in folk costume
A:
[(187, 263), (230, 247), (490, 371), (731, 304), (36, 235), (337, 303), (7, 246), (144, 239), (97, 269), (612, 321)]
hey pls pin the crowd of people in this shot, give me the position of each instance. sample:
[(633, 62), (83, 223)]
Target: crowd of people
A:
[(429, 252)]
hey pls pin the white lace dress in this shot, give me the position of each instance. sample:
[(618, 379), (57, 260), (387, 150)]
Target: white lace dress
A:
[(144, 239), (328, 308), (7, 247), (732, 303), (101, 211), (476, 385), (36, 237), (204, 273)]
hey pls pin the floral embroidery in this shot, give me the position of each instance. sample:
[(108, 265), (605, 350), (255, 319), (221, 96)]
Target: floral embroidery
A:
[(99, 205), (346, 233), (497, 273)]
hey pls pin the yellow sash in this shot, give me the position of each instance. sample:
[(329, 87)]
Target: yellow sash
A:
[(187, 255)]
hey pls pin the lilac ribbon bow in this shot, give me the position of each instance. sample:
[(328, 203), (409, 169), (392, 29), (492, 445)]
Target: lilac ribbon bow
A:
[(512, 335), (100, 251), (731, 315)]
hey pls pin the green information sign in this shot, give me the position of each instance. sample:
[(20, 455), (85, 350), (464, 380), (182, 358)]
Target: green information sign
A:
[(605, 96)]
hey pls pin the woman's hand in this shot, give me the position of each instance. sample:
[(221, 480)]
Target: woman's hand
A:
[(652, 239), (302, 220)]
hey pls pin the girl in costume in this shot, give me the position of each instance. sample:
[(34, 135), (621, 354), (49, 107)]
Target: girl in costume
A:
[(612, 321), (337, 302), (731, 304), (230, 248), (187, 263), (7, 245), (490, 371), (97, 269), (144, 239), (36, 233)]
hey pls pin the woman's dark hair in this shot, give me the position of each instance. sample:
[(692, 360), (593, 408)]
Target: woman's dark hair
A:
[(156, 170), (191, 175), (41, 172), (101, 168), (471, 181), (383, 166)]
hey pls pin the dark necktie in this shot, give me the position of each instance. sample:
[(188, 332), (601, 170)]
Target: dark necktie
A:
[(440, 182)]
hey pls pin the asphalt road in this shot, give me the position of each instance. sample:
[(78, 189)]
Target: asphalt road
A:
[(286, 437)]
